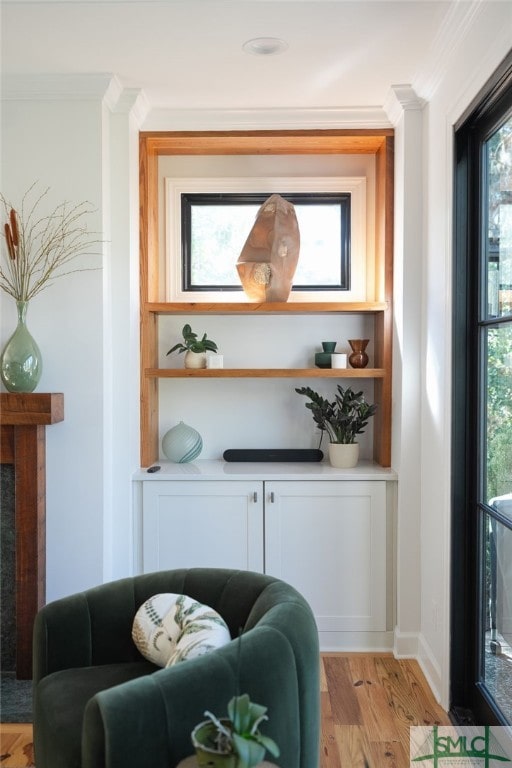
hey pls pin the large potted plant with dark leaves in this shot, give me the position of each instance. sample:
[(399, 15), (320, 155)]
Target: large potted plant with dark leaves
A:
[(343, 419)]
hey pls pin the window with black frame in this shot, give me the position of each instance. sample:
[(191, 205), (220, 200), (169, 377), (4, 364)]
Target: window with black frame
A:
[(481, 663), (215, 226), (496, 418)]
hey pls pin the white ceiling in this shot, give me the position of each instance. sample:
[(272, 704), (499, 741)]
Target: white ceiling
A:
[(187, 54)]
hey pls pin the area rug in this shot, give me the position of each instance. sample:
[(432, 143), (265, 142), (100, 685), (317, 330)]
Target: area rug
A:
[(15, 699)]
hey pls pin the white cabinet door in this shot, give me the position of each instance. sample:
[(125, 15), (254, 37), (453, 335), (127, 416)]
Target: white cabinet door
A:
[(203, 524), (328, 539)]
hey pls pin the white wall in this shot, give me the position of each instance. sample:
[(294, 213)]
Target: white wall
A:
[(85, 323), (40, 142), (123, 115), (467, 64)]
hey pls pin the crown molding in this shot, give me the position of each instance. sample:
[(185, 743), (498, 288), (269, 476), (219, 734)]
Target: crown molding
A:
[(131, 101), (400, 99), (107, 88), (459, 20), (52, 87), (136, 103), (266, 119), (82, 87)]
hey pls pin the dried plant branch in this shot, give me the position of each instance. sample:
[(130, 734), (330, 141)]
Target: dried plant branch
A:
[(40, 249)]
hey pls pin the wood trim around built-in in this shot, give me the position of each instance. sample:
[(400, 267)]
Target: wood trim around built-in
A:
[(384, 289), (148, 183), (155, 144), (266, 142)]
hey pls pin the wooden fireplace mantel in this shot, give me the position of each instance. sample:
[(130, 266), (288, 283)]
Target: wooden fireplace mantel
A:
[(23, 420)]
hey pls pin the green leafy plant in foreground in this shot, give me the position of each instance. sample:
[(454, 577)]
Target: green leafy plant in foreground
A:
[(240, 732)]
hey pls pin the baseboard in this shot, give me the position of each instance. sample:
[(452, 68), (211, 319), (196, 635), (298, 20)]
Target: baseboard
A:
[(355, 642), (412, 645), (430, 668), (405, 644)]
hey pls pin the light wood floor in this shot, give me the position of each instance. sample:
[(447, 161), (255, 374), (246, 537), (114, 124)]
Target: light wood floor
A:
[(16, 749), (369, 702)]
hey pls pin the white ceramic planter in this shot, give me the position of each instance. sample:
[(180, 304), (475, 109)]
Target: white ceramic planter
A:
[(195, 359), (343, 456)]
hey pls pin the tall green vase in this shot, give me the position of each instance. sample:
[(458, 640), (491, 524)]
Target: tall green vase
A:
[(21, 364)]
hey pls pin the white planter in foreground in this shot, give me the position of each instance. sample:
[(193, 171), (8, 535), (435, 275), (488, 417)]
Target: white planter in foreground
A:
[(343, 455)]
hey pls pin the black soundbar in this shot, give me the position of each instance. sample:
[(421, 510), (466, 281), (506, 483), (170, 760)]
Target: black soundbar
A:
[(273, 454)]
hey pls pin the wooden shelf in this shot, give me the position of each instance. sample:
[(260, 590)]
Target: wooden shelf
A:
[(154, 145), (250, 308), (265, 373)]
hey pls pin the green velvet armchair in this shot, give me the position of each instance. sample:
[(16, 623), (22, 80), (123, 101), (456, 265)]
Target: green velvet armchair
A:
[(99, 704)]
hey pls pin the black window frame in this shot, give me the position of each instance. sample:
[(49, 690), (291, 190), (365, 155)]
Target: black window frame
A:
[(258, 198), (469, 700)]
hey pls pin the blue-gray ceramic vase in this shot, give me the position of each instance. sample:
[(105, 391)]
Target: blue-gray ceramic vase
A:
[(182, 443)]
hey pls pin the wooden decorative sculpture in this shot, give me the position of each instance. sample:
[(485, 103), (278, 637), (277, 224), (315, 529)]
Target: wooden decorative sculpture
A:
[(268, 260)]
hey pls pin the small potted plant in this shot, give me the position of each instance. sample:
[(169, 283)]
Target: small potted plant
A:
[(342, 419), (235, 741), (195, 349)]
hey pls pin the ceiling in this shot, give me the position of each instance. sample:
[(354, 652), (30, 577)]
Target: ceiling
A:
[(187, 54)]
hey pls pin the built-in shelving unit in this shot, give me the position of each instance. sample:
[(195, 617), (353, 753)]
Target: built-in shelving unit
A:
[(154, 145)]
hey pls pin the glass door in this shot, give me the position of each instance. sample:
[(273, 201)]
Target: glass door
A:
[(481, 537), (495, 465)]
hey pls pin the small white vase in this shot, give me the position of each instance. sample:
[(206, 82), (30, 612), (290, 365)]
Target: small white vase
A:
[(343, 455), (195, 359)]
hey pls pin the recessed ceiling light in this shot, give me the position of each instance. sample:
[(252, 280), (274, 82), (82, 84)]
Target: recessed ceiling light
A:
[(265, 46)]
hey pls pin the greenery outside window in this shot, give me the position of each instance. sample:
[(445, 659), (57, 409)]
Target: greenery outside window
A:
[(482, 391), (214, 228)]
